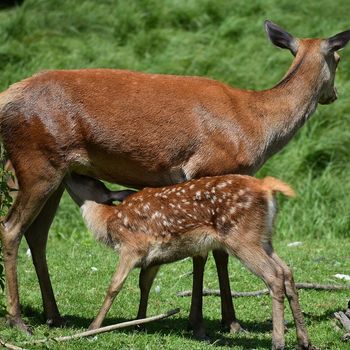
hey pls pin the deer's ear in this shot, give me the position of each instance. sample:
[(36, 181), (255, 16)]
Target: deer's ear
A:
[(280, 37), (338, 41)]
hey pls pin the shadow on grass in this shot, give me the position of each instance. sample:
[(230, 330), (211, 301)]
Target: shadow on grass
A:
[(178, 327), (10, 3), (175, 327)]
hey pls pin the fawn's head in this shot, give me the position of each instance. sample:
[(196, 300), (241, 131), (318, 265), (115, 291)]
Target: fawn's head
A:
[(321, 52)]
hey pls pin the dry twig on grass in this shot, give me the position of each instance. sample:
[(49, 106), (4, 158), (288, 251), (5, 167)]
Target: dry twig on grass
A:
[(9, 346), (105, 329), (343, 319), (216, 292)]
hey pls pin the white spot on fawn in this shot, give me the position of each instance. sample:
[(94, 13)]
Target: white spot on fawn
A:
[(241, 192), (232, 210), (156, 214), (125, 221), (222, 185)]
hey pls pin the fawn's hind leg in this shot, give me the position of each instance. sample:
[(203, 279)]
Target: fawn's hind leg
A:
[(292, 296), (260, 263)]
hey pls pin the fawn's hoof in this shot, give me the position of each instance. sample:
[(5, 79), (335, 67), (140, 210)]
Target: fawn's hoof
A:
[(278, 344), (17, 322), (93, 326), (307, 347)]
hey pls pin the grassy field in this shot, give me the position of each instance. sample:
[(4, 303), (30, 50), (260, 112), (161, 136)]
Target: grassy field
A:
[(223, 40)]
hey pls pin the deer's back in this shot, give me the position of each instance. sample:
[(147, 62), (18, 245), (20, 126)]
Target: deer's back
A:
[(101, 121)]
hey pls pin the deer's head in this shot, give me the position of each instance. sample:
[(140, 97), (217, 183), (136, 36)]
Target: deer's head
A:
[(321, 53)]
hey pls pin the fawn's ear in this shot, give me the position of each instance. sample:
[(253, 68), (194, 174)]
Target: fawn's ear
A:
[(338, 41), (281, 37)]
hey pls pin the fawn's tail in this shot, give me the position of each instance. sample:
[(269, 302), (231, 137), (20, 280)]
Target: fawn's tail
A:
[(275, 185)]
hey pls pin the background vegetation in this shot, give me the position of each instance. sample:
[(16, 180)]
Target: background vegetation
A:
[(223, 40)]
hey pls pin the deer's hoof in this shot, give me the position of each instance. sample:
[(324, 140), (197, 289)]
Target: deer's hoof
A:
[(58, 322), (201, 335), (17, 322), (198, 332), (140, 328)]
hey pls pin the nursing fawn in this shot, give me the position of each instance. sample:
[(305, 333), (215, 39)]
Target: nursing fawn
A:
[(234, 213)]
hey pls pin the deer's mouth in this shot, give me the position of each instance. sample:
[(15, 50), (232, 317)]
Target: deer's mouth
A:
[(328, 100)]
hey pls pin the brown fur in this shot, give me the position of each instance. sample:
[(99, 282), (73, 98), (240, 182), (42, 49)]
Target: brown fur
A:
[(143, 130), (232, 213)]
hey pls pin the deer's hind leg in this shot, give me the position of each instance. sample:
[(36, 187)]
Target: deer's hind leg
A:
[(38, 180), (195, 321), (36, 237)]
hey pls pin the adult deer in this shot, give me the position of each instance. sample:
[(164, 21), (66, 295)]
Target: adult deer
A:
[(147, 130)]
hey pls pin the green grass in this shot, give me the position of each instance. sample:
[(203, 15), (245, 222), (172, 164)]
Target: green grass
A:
[(72, 253), (223, 40)]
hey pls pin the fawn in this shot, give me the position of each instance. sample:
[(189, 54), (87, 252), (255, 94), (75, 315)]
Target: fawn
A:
[(234, 213)]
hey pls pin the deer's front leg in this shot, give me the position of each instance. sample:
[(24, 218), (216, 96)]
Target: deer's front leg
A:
[(228, 314), (196, 311), (146, 279)]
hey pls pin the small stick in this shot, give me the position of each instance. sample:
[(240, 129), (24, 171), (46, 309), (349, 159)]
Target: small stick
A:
[(9, 346), (343, 320), (216, 292), (107, 328)]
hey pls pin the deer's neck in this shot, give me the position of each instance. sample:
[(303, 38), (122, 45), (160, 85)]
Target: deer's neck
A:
[(285, 108)]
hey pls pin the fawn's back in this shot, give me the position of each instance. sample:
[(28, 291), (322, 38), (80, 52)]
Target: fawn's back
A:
[(170, 223)]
